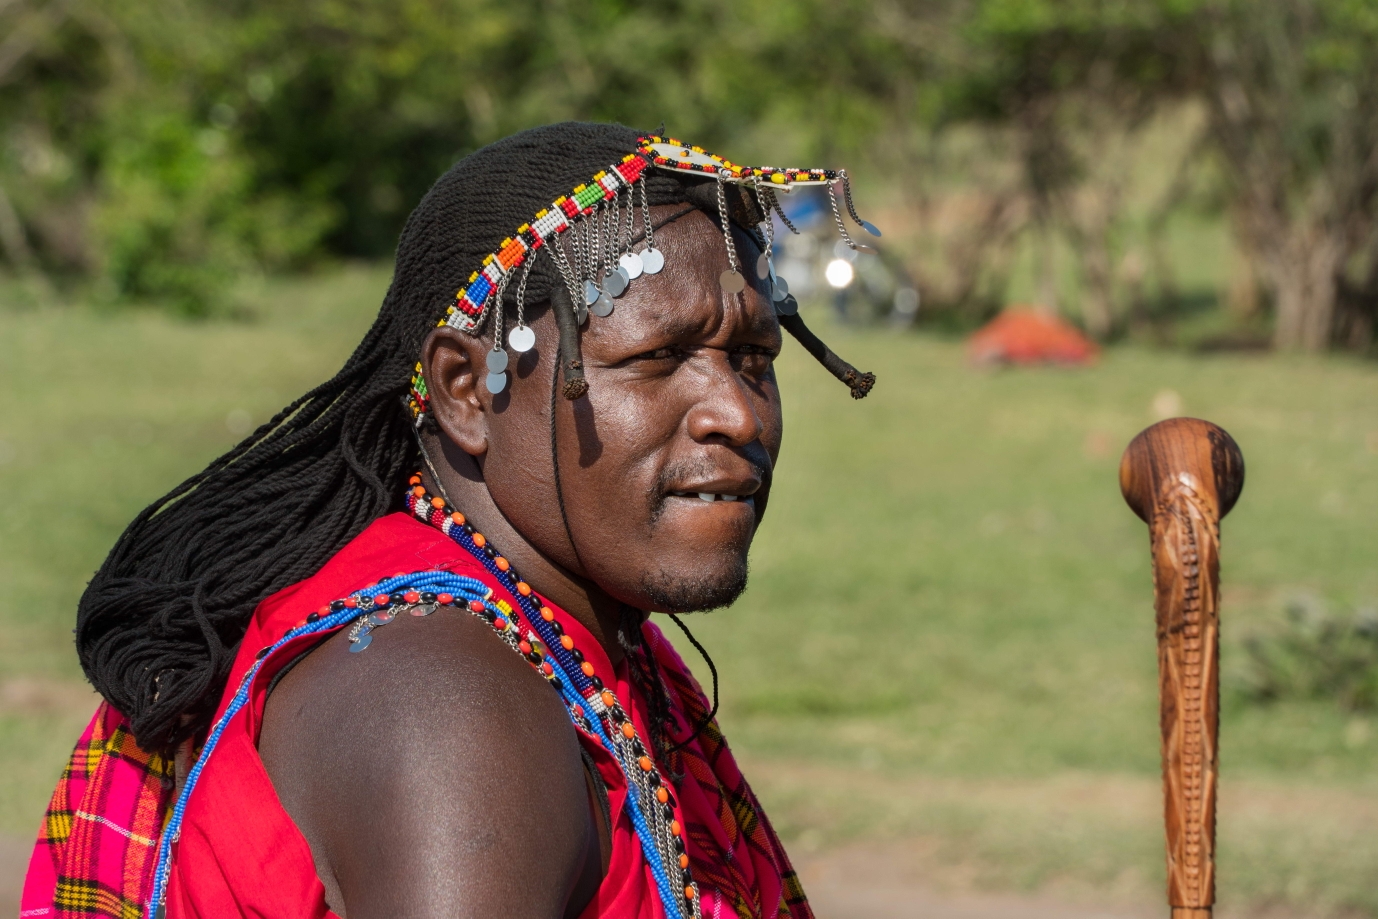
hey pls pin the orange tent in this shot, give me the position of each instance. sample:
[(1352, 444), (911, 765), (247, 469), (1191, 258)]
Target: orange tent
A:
[(1021, 335)]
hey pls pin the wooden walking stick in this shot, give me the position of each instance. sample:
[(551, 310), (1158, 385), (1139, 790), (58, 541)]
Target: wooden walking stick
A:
[(1181, 476)]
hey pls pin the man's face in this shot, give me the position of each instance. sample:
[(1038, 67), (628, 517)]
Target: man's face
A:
[(665, 466)]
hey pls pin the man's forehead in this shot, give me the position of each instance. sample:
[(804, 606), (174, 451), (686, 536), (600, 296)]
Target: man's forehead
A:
[(686, 301)]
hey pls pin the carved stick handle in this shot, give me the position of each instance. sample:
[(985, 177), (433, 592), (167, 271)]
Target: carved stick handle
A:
[(1181, 476)]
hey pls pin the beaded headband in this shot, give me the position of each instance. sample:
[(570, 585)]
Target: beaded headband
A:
[(599, 218)]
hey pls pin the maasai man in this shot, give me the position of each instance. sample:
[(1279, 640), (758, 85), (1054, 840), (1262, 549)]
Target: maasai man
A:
[(390, 655)]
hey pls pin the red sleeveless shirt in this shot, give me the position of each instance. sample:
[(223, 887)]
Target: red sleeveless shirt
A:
[(240, 854)]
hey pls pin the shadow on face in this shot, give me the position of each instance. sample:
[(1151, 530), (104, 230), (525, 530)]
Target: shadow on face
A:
[(664, 467)]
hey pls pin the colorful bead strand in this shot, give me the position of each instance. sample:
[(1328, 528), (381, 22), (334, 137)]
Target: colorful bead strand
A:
[(651, 801)]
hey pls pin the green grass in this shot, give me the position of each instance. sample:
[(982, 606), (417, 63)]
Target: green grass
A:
[(948, 633)]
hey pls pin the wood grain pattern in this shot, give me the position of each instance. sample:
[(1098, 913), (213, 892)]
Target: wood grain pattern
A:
[(1181, 477)]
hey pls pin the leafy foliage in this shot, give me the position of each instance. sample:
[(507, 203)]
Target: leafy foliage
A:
[(1315, 655), (168, 146)]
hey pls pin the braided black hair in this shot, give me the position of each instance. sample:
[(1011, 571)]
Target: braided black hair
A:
[(158, 626)]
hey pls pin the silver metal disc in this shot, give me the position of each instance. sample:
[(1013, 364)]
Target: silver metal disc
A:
[(364, 640), (522, 339), (631, 263), (591, 293), (652, 260), (382, 617), (581, 313), (788, 306), (423, 609), (497, 361), (616, 283), (602, 306), (496, 382), (869, 250), (870, 227), (732, 281), (779, 290), (763, 265)]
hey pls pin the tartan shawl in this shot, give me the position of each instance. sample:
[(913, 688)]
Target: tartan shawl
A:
[(99, 838), (741, 833)]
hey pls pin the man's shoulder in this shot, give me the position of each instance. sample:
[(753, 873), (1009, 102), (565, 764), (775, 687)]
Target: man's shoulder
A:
[(420, 680), (436, 731)]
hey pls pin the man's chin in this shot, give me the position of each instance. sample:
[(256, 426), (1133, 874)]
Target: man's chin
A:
[(673, 592)]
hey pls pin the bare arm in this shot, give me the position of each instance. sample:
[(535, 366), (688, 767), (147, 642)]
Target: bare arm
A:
[(433, 775)]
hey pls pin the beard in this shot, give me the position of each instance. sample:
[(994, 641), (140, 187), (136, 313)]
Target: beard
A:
[(669, 593)]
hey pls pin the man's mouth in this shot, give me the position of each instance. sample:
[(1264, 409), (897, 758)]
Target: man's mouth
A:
[(710, 496)]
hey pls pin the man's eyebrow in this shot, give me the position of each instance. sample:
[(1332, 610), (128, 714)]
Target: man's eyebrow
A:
[(756, 322)]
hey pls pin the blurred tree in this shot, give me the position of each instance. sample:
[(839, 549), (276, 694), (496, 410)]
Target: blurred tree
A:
[(1292, 91), (163, 148)]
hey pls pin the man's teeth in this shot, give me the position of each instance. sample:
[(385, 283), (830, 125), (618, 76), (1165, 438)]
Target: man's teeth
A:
[(706, 496)]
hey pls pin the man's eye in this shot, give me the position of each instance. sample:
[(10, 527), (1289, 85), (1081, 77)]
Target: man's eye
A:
[(753, 358), (659, 354)]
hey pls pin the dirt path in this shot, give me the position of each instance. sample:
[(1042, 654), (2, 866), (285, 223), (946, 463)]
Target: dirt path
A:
[(880, 881), (14, 861)]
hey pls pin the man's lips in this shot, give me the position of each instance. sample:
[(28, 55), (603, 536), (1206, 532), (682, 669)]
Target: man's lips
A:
[(722, 489), (711, 496)]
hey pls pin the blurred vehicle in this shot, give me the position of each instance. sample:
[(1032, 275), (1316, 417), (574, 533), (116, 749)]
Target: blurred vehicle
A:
[(862, 286)]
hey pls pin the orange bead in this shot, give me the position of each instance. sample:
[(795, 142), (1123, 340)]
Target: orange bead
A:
[(502, 563), (608, 698), (587, 668), (675, 828), (457, 519), (546, 614), (662, 795), (567, 643), (418, 491), (479, 540), (627, 730), (523, 588), (684, 861), (437, 502), (414, 480), (646, 766), (688, 893)]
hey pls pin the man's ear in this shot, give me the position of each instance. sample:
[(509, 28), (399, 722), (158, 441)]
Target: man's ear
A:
[(451, 362)]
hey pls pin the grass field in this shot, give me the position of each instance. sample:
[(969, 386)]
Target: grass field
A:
[(947, 642)]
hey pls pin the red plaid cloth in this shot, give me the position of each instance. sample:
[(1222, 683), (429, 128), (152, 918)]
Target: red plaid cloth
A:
[(737, 860), (99, 839)]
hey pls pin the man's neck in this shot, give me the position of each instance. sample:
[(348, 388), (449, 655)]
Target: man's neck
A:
[(461, 483)]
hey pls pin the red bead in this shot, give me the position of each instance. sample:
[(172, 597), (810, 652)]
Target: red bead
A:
[(380, 600), (411, 596), (351, 602), (547, 669), (524, 646), (476, 606), (324, 611), (445, 599)]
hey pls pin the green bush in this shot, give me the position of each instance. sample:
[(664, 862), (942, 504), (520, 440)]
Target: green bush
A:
[(1315, 655)]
